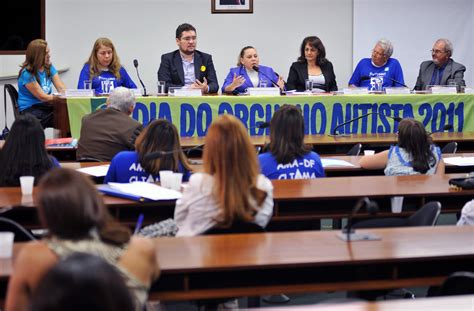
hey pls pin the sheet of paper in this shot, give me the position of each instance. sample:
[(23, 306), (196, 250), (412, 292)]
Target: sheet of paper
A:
[(97, 171), (459, 161), (334, 162), (147, 190)]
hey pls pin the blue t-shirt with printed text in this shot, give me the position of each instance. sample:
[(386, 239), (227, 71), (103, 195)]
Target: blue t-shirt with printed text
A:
[(25, 98), (125, 167), (105, 78), (307, 167), (365, 68)]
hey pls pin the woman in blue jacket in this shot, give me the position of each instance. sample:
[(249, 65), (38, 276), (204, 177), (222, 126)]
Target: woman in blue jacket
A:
[(250, 74), (104, 69)]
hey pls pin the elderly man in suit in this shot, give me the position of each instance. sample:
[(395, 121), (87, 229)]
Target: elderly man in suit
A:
[(442, 70), (188, 66)]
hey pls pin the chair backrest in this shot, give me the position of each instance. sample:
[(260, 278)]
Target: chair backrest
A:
[(355, 150), (451, 147), (13, 98), (427, 215), (458, 283), (88, 159), (21, 234), (237, 227)]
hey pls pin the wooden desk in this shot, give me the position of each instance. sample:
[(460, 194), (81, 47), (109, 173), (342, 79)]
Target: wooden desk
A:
[(295, 200), (305, 261), (458, 303), (61, 117)]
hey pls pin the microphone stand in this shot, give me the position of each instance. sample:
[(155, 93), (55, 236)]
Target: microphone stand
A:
[(334, 134), (135, 63), (348, 234), (263, 74)]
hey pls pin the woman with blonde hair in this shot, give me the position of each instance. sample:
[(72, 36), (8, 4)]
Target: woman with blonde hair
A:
[(231, 188), (104, 69), (35, 83)]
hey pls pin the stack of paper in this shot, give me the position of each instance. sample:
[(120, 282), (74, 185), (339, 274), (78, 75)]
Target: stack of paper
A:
[(141, 191), (334, 162), (459, 161)]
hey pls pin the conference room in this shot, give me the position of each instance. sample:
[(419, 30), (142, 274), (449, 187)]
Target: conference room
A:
[(308, 215)]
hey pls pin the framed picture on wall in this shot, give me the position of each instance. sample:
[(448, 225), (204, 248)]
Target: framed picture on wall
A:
[(231, 6)]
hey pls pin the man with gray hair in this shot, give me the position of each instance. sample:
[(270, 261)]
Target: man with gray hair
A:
[(442, 70), (379, 71), (105, 132)]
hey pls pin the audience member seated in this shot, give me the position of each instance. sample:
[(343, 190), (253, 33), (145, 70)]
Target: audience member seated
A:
[(381, 68), (104, 69), (313, 65), (82, 282), (188, 66), (467, 215), (287, 156), (442, 70), (158, 136), (24, 152), (106, 132), (230, 189), (35, 83), (244, 76), (70, 207), (413, 154)]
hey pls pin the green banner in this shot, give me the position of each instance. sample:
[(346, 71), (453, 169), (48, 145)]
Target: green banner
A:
[(193, 115)]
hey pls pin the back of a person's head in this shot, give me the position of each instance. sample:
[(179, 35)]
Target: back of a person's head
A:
[(24, 152), (122, 99), (70, 207), (287, 134), (231, 159), (82, 282), (159, 135), (412, 136)]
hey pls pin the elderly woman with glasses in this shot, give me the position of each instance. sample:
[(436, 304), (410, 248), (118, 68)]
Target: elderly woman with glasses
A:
[(379, 70)]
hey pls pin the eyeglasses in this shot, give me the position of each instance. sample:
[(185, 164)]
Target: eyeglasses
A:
[(193, 38), (437, 51), (378, 53)]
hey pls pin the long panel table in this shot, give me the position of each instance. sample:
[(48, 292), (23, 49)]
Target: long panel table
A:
[(295, 200), (239, 265)]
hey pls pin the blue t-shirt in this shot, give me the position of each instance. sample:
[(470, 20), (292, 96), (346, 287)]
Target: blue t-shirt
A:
[(105, 77), (307, 167), (365, 68), (25, 98), (125, 167)]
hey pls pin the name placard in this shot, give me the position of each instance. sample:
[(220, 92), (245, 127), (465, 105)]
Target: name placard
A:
[(187, 92), (79, 93), (355, 90), (444, 90), (397, 90), (137, 92), (264, 91)]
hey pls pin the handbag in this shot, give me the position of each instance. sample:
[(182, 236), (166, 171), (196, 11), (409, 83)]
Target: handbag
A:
[(464, 183), (6, 130)]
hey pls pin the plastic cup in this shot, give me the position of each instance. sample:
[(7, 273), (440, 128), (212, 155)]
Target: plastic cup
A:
[(177, 179), (369, 152), (27, 183), (6, 244), (87, 84), (262, 83), (161, 87), (166, 179), (397, 204)]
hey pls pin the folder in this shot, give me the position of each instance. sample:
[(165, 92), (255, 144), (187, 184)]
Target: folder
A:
[(106, 189)]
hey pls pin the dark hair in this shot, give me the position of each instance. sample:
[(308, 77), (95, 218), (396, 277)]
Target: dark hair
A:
[(242, 53), (70, 207), (160, 135), (287, 134), (24, 152), (184, 27), (316, 43), (82, 282), (413, 137)]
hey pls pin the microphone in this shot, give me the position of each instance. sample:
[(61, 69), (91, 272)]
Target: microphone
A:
[(397, 82), (135, 63), (398, 119), (447, 127), (348, 234), (255, 67), (159, 154)]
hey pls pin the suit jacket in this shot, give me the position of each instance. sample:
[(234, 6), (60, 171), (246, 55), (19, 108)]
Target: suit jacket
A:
[(299, 73), (264, 73), (454, 72), (171, 70), (106, 132)]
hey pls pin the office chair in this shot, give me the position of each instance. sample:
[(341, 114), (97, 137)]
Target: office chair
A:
[(21, 234), (355, 150), (451, 147), (88, 159), (13, 93), (458, 283)]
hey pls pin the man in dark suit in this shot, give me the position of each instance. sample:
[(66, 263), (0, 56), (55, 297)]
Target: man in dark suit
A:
[(442, 70), (105, 132), (188, 66)]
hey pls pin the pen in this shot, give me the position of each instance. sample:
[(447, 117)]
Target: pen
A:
[(139, 223)]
